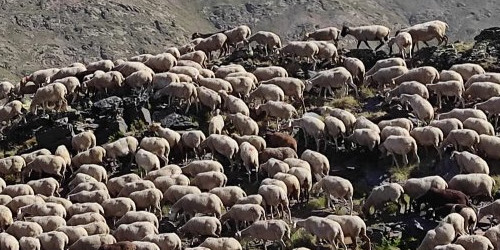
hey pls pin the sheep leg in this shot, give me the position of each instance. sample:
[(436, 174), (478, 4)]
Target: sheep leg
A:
[(380, 45), (352, 206), (394, 160), (405, 160), (359, 43)]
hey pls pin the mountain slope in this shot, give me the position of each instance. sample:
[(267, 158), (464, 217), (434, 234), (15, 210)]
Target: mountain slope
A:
[(37, 34)]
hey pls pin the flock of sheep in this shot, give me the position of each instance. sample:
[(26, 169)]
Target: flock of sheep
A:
[(124, 212)]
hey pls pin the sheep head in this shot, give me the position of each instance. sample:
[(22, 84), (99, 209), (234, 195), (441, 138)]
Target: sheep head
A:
[(345, 31)]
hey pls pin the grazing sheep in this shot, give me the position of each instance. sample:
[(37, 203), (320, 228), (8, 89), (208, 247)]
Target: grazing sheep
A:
[(196, 56), (478, 242), (300, 49), (274, 197), (234, 104), (18, 190), (392, 130), (212, 43), (221, 144), (448, 88), (209, 98), (267, 92), (135, 216), (94, 155), (401, 145), (8, 241), (190, 204), (269, 40), (311, 126), (50, 164), (382, 194), (104, 65), (461, 138), (134, 231), (251, 199), (6, 89), (81, 208), (493, 234), (117, 207), (41, 209), (416, 187), (482, 91), (269, 72), (83, 141), (427, 31), (5, 217), (473, 185), (12, 165), (486, 77), (450, 75), (385, 63), (10, 111), (216, 84), (479, 125), (398, 122), (447, 125), (104, 82), (352, 226), (200, 166), (168, 170), (164, 182), (421, 108), (244, 213), (489, 210), (20, 229), (424, 75), (442, 234), (144, 245), (192, 140), (209, 180), (121, 147), (216, 123), (201, 226), (48, 223), (89, 196), (166, 241), (175, 192), (292, 183), (324, 34), (250, 157), (292, 87), (242, 85), (463, 114), (146, 161), (320, 165), (97, 227), (336, 187), (274, 230), (258, 142), (28, 243), (367, 33), (244, 124), (457, 221), (92, 242), (327, 51), (410, 88), (228, 195), (334, 78), (279, 153), (470, 163), (278, 110), (184, 91), (116, 184), (438, 197), (161, 80), (467, 70), (52, 93), (273, 166), (149, 199), (403, 41), (365, 137), (323, 228), (222, 243), (17, 202), (384, 76)]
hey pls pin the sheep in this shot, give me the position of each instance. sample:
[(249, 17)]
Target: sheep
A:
[(474, 242), (92, 242), (190, 204), (206, 73), (72, 85), (242, 85), (269, 40), (416, 187), (144, 245), (327, 51), (200, 166), (292, 183), (320, 165), (161, 80), (228, 195), (403, 41), (300, 49), (385, 76), (401, 145), (258, 142), (181, 90), (98, 172), (442, 234), (363, 122), (438, 197), (89, 196), (482, 91), (104, 65), (269, 72), (127, 68), (146, 160), (292, 87), (17, 202), (104, 82), (427, 31), (279, 153), (450, 75), (244, 74), (336, 187), (310, 126), (141, 79), (117, 207), (222, 243), (63, 152), (385, 63), (274, 196), (50, 164), (29, 243), (48, 223), (234, 104), (208, 98), (473, 184), (493, 234), (267, 92), (338, 77), (135, 216), (72, 70), (134, 231), (488, 146), (212, 43), (486, 77), (278, 110), (12, 165), (250, 158), (425, 75), (399, 122), (94, 155), (274, 230), (83, 141), (201, 226), (216, 84), (196, 56), (489, 210), (166, 241), (20, 229), (80, 178), (221, 144), (479, 125), (352, 226), (8, 241), (273, 166), (5, 217), (305, 179), (244, 213), (244, 124), (411, 87), (470, 163), (10, 111), (365, 137), (164, 182), (209, 180), (41, 209), (2, 184), (382, 194), (446, 125), (175, 192), (6, 89), (460, 138), (39, 77), (367, 33), (148, 199), (278, 139), (81, 208), (97, 227), (251, 199), (161, 62), (88, 186), (457, 221), (421, 108), (393, 130), (324, 34), (345, 116), (448, 88), (52, 93), (463, 114), (17, 190), (85, 218), (323, 228), (170, 135), (186, 73), (168, 170), (467, 70)]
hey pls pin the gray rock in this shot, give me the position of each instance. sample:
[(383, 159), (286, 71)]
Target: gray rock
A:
[(108, 106), (53, 136), (175, 121)]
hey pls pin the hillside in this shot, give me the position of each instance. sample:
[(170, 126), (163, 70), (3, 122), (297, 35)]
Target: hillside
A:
[(37, 34)]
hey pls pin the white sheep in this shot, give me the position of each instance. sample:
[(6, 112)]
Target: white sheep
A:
[(135, 216), (216, 84), (352, 226), (244, 124), (327, 51), (244, 213), (427, 31), (166, 241), (416, 187), (451, 88), (122, 147), (300, 49), (275, 230), (241, 85), (222, 243), (52, 93), (393, 130), (269, 72), (442, 234), (48, 223), (470, 163), (8, 241), (461, 138), (28, 243), (457, 221), (467, 70), (421, 108), (485, 77), (336, 187), (175, 192), (473, 185), (382, 194), (221, 144), (493, 234), (403, 41), (10, 111), (5, 217), (209, 180), (482, 91), (184, 91), (94, 155), (330, 79), (201, 226), (164, 182), (134, 231), (257, 141), (81, 208), (20, 229), (234, 104), (292, 87), (384, 76), (23, 200), (208, 98), (250, 157), (18, 190), (323, 228), (190, 204), (478, 242), (411, 87), (447, 125), (278, 110), (92, 241), (117, 207), (267, 92), (401, 145), (479, 125), (385, 63), (72, 85), (365, 137), (83, 141), (138, 185), (463, 114), (148, 199), (212, 43), (450, 75), (12, 165), (367, 33), (311, 127), (50, 164)]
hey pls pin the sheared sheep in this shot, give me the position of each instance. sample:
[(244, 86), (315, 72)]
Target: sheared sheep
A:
[(367, 33)]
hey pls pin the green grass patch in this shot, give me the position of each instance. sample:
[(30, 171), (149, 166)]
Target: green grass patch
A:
[(389, 244), (367, 92), (497, 181), (301, 238), (346, 102), (373, 115), (401, 174), (317, 203), (463, 47)]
